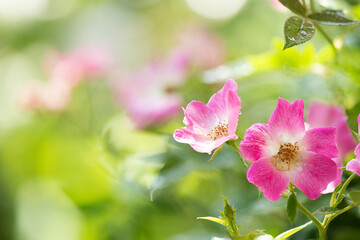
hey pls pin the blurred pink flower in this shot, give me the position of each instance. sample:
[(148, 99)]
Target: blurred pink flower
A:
[(278, 6), (213, 124), (50, 96), (76, 66), (149, 94), (323, 115), (29, 96), (354, 165), (283, 151), (204, 49)]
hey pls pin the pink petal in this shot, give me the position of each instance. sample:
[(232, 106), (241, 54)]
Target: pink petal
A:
[(354, 166), (324, 115), (256, 142), (316, 172), (269, 180), (287, 121), (357, 151), (332, 185), (198, 114), (198, 142), (358, 123), (226, 104), (344, 138), (322, 141)]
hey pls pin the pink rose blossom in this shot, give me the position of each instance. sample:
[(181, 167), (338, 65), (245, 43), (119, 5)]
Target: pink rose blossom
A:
[(29, 96), (283, 151), (51, 96), (354, 165), (323, 115), (211, 125), (204, 49), (76, 66), (149, 94)]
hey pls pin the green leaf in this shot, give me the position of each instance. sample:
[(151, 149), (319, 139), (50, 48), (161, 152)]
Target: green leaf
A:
[(295, 6), (229, 211), (297, 31), (331, 17), (292, 231), (357, 135), (292, 207), (215, 219), (355, 196), (216, 152), (327, 210)]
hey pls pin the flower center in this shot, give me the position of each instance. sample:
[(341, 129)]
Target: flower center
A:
[(221, 130), (286, 156)]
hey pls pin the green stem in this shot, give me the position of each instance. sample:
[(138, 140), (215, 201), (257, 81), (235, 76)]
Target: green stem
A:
[(304, 4), (325, 35), (328, 218), (313, 219), (342, 189), (312, 6)]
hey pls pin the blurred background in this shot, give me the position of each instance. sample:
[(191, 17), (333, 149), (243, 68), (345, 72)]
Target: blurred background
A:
[(91, 92)]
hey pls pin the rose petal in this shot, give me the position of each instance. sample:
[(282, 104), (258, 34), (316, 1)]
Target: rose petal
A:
[(322, 141), (200, 116), (324, 115), (269, 180), (316, 172), (332, 185), (344, 138), (200, 143), (226, 104), (357, 151), (258, 143), (287, 120), (354, 166)]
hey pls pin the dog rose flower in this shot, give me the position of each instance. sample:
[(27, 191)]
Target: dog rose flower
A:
[(282, 151), (324, 115), (211, 125)]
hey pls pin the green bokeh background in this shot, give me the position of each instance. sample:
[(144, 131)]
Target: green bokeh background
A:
[(87, 174)]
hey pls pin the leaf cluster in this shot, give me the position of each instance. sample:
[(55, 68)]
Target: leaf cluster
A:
[(301, 28)]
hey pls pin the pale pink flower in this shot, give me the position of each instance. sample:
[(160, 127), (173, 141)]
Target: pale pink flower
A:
[(51, 96), (283, 151), (29, 97), (204, 49), (323, 115), (55, 96), (149, 94), (74, 67), (354, 165), (211, 125)]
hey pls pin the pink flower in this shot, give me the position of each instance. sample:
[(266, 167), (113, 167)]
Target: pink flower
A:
[(354, 165), (51, 96), (323, 115), (211, 125), (282, 151), (76, 66), (204, 49), (29, 96), (149, 94)]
